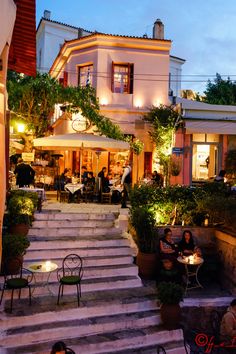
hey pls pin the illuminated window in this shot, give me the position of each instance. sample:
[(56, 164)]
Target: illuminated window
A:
[(122, 78), (85, 75)]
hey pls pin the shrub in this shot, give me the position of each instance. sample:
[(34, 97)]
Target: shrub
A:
[(169, 293)]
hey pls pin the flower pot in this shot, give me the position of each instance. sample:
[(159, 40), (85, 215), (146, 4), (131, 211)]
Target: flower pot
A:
[(19, 229), (11, 265), (170, 315), (147, 264)]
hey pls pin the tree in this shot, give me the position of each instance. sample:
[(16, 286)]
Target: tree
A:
[(32, 101), (164, 121), (220, 91)]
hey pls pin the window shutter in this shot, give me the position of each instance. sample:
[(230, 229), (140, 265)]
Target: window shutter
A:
[(112, 77), (65, 79), (131, 78)]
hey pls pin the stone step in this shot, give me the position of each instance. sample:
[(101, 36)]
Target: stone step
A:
[(76, 231), (44, 310), (76, 242), (93, 272), (112, 342), (82, 252), (52, 216), (87, 285), (65, 223), (78, 328), (88, 261)]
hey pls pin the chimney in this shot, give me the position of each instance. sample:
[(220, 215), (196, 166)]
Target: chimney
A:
[(158, 30), (47, 14)]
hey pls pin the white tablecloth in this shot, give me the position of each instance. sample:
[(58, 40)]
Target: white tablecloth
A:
[(74, 187), (40, 191)]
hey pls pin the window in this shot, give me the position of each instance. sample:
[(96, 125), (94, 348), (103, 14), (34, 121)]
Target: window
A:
[(122, 78), (85, 75)]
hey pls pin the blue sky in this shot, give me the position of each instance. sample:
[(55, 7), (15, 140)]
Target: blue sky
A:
[(202, 32)]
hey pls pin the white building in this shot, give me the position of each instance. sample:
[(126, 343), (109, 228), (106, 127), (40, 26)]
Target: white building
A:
[(51, 35)]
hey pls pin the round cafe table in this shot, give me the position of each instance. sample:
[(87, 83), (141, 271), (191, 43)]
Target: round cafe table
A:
[(42, 267), (192, 265)]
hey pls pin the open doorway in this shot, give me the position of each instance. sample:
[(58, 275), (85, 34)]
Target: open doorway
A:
[(204, 161)]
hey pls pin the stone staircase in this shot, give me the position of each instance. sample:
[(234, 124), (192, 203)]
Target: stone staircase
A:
[(117, 313)]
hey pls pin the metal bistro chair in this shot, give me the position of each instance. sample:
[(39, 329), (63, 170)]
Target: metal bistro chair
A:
[(17, 281), (70, 273)]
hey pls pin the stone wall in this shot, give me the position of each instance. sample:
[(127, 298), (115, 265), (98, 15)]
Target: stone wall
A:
[(226, 244)]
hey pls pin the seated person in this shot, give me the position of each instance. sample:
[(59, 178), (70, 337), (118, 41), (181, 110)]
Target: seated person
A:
[(117, 170), (157, 179), (167, 245), (187, 245), (104, 181), (61, 348), (168, 272), (90, 179), (228, 324)]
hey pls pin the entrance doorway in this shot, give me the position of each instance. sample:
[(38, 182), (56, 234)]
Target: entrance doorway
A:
[(205, 161)]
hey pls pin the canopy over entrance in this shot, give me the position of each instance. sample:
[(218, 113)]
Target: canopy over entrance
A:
[(76, 141)]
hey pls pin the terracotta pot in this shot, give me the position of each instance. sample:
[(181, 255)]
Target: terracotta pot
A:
[(147, 264), (170, 315), (11, 265), (19, 229)]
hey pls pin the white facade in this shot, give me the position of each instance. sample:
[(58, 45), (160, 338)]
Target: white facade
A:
[(51, 35), (175, 75)]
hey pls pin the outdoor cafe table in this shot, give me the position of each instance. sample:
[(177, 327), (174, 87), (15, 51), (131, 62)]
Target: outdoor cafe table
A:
[(42, 267), (192, 265), (74, 187), (40, 191)]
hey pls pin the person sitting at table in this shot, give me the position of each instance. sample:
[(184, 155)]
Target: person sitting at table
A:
[(168, 249), (84, 175), (104, 180), (117, 170), (228, 325), (24, 174), (90, 179), (169, 272), (187, 246)]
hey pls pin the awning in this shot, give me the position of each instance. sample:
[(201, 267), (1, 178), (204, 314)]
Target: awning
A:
[(210, 127), (76, 141)]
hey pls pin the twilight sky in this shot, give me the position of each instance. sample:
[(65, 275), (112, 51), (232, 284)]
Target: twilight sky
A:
[(202, 32)]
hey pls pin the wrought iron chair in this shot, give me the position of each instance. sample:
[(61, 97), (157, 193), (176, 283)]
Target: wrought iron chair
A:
[(70, 273), (17, 281)]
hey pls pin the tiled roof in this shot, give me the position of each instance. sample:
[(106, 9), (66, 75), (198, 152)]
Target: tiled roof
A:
[(62, 24), (95, 32), (118, 35)]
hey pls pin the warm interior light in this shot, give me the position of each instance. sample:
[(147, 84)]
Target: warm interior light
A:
[(103, 101), (20, 128), (138, 103), (157, 102)]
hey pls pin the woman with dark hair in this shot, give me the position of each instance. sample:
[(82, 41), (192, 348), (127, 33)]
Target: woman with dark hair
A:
[(167, 246), (61, 348), (187, 245)]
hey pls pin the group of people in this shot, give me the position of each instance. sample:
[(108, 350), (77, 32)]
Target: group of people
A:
[(170, 270)]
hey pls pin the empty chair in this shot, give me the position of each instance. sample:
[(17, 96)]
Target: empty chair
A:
[(17, 281), (106, 198), (70, 273)]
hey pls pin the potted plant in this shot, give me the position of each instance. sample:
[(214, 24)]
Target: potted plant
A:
[(143, 221), (20, 214), (170, 294), (13, 247)]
